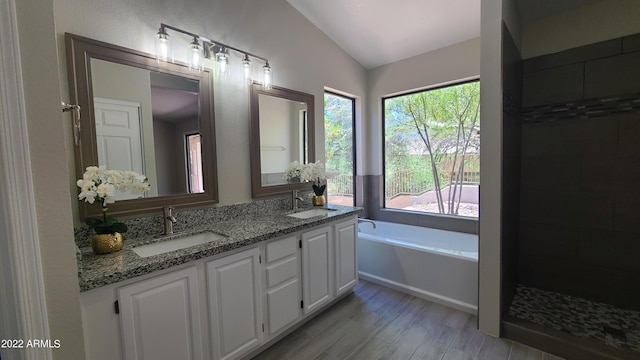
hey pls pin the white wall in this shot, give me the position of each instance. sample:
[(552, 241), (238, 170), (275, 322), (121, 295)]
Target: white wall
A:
[(303, 59), (490, 166), (47, 127), (599, 21), (446, 65)]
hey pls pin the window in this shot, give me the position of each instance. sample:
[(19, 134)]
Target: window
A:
[(432, 150), (339, 119)]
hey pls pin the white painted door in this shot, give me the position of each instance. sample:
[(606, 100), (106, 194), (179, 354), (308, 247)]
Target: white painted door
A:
[(118, 137), (234, 304), (160, 317), (282, 280), (346, 234), (317, 263)]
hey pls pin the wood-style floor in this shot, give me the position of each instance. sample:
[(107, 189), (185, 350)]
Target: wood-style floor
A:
[(380, 323)]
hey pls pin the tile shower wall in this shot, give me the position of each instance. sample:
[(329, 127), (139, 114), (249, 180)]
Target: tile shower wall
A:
[(511, 135), (580, 174)]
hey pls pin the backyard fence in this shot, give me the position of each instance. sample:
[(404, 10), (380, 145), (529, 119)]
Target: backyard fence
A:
[(469, 177), (340, 185), (401, 182), (406, 182)]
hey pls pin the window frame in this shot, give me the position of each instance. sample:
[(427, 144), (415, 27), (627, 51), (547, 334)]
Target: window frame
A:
[(411, 217), (354, 158)]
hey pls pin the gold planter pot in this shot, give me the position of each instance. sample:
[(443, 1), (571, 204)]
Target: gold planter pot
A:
[(319, 200), (106, 243)]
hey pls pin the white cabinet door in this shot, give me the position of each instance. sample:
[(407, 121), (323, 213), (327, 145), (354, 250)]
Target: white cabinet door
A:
[(282, 285), (346, 234), (161, 317), (317, 264), (234, 304)]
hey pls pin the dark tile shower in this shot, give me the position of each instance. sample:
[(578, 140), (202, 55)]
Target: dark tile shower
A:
[(576, 255)]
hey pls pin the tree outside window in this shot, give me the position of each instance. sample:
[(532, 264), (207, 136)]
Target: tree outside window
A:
[(338, 130), (432, 150)]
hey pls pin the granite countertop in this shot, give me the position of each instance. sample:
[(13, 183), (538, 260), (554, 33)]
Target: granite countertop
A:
[(95, 271)]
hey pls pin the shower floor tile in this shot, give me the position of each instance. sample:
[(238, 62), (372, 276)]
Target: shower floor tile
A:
[(606, 323)]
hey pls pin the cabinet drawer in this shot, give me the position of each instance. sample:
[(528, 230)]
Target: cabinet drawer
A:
[(281, 248), (282, 271)]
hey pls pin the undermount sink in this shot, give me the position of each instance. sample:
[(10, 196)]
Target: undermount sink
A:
[(311, 213), (166, 246)]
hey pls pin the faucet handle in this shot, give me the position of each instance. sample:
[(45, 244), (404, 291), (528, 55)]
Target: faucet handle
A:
[(167, 213)]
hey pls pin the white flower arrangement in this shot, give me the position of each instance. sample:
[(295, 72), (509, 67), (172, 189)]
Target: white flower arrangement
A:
[(293, 171), (312, 172), (102, 184), (97, 182)]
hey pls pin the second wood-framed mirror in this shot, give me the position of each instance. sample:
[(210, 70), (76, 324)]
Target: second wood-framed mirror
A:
[(281, 131), (151, 117)]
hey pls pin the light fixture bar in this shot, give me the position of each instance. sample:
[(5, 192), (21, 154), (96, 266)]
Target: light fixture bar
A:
[(211, 41)]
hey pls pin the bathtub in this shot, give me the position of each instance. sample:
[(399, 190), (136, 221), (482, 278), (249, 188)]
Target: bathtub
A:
[(437, 265)]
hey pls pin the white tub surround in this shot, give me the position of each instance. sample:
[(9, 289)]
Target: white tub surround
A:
[(437, 265)]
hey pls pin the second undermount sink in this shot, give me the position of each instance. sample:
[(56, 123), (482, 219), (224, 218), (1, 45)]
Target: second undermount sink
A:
[(166, 246), (311, 213)]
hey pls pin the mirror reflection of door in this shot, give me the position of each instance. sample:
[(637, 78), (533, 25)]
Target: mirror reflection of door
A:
[(118, 137), (168, 108)]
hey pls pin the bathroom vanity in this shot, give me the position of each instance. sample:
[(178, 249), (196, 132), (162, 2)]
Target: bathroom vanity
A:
[(260, 278)]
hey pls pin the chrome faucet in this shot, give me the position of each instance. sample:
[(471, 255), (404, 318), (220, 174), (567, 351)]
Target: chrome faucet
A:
[(294, 199), (367, 221), (169, 220)]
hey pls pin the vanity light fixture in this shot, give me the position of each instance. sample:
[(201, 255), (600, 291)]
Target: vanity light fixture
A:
[(246, 65), (222, 58), (267, 83), (203, 48), (162, 45), (195, 59)]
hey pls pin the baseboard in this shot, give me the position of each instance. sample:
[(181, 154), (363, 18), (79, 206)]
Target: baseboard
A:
[(560, 343), (423, 294)]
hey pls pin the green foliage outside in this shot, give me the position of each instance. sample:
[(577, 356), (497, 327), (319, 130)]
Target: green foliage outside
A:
[(434, 136), (338, 134)]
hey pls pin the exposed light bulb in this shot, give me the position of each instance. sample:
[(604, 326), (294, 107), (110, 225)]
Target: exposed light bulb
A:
[(246, 65), (195, 62), (267, 84), (222, 58), (162, 45)]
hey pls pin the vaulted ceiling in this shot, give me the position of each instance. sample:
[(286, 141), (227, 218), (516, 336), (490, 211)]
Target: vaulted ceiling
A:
[(378, 32)]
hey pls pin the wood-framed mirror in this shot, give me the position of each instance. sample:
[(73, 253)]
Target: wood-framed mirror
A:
[(281, 131), (151, 117)]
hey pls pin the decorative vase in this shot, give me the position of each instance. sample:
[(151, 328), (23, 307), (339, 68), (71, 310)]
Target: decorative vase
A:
[(106, 243), (294, 180), (319, 200)]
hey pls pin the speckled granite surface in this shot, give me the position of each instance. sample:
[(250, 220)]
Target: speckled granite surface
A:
[(242, 225)]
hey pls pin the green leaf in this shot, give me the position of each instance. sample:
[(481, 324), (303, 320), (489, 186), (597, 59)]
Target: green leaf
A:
[(112, 225), (111, 220), (102, 229), (119, 227), (318, 190), (93, 222)]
